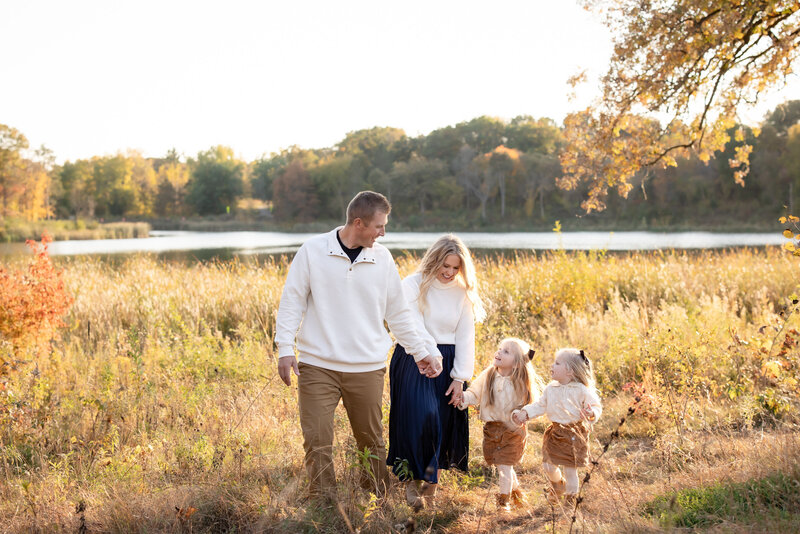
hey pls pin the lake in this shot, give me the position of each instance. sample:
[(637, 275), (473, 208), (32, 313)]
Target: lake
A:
[(225, 245)]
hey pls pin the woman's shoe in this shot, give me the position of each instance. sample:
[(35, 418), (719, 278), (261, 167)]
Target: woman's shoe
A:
[(518, 499), (503, 502), (428, 492), (413, 497), (555, 490)]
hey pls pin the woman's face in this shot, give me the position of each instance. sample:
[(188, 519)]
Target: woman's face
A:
[(449, 269)]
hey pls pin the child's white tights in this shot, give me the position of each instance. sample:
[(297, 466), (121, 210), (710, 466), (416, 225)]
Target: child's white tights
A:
[(507, 478), (570, 475)]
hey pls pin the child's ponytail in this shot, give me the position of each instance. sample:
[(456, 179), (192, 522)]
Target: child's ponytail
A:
[(580, 365)]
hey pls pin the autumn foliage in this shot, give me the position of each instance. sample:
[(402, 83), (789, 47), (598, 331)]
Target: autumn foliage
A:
[(694, 64), (33, 301)]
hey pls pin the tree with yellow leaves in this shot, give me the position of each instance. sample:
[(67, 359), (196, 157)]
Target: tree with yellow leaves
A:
[(690, 63), (12, 143)]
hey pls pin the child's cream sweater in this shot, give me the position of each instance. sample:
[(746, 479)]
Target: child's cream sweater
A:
[(505, 399), (562, 403)]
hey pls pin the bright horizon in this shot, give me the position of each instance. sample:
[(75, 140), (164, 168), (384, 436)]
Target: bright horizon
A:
[(92, 78)]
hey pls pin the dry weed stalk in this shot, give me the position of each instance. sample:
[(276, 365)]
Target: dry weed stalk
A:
[(80, 508), (596, 462)]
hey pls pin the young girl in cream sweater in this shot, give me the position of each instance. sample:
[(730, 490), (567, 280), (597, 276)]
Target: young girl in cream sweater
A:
[(508, 384), (571, 403)]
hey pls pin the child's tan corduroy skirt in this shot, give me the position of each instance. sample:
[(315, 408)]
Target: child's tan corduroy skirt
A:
[(566, 445), (503, 445)]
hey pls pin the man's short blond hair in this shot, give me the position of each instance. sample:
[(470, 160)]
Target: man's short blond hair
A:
[(365, 204)]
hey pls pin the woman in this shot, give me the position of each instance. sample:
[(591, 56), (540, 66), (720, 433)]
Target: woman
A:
[(427, 431)]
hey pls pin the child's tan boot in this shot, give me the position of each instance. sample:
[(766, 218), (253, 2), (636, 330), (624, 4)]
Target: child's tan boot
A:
[(518, 499), (555, 490), (503, 502)]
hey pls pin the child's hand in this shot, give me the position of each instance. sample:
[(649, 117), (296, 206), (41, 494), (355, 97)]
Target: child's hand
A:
[(587, 412), (519, 416), (457, 390)]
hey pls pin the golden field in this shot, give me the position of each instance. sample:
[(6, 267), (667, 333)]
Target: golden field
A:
[(159, 409)]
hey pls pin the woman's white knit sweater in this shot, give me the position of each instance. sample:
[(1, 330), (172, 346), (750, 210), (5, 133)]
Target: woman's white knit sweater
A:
[(447, 319)]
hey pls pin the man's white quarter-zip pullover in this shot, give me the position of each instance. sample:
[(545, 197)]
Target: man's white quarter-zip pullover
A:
[(335, 309)]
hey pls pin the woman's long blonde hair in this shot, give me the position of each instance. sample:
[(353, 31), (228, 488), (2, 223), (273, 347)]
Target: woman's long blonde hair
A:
[(433, 260), (528, 385)]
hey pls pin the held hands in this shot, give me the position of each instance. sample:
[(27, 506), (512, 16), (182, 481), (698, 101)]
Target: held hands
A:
[(430, 366), (519, 416), (286, 365), (587, 413), (457, 390)]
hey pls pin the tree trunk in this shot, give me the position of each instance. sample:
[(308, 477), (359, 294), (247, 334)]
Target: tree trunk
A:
[(541, 202), (502, 182)]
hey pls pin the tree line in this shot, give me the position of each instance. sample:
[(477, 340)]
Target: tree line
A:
[(481, 172)]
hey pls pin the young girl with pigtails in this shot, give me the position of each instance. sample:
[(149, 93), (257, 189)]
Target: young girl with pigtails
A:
[(572, 405)]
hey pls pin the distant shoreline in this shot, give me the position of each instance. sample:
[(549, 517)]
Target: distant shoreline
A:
[(15, 231)]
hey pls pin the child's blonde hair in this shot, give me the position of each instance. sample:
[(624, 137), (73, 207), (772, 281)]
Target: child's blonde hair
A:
[(433, 260), (581, 367), (527, 382)]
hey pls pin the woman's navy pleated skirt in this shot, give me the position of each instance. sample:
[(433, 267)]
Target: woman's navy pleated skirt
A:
[(425, 433)]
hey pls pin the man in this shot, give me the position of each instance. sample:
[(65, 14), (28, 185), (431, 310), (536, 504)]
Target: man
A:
[(340, 288)]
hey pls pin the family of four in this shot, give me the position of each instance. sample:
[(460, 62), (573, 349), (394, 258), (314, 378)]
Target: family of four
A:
[(340, 290)]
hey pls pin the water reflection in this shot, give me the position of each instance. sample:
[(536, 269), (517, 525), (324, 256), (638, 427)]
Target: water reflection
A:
[(204, 246)]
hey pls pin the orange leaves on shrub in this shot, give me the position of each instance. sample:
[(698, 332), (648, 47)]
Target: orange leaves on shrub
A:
[(32, 301)]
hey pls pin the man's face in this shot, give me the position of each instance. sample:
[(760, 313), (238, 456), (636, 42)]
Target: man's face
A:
[(368, 232)]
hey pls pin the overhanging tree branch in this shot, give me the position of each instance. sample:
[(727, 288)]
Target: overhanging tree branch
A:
[(696, 62)]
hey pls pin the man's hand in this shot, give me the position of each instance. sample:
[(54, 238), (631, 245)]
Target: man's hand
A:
[(430, 366), (285, 367), (457, 390)]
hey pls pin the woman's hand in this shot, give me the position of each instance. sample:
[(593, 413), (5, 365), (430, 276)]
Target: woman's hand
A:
[(456, 392)]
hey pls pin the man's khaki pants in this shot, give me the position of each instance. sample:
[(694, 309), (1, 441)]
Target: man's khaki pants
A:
[(319, 391)]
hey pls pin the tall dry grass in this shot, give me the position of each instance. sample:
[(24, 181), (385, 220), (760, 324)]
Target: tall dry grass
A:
[(159, 408)]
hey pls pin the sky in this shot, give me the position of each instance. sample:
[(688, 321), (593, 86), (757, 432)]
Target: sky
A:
[(92, 78)]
